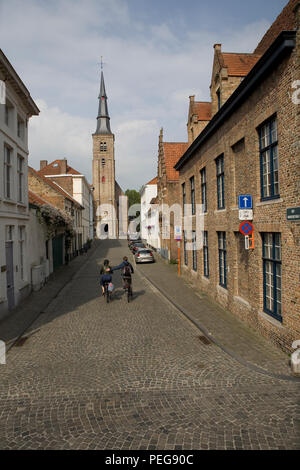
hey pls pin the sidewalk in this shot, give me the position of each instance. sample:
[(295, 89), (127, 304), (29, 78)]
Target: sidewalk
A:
[(24, 315), (240, 339)]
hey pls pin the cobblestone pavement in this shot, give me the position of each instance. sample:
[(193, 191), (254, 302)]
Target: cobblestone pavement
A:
[(134, 376)]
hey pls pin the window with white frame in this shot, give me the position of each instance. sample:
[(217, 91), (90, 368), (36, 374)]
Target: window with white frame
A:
[(7, 172), (20, 169), (269, 168), (272, 274)]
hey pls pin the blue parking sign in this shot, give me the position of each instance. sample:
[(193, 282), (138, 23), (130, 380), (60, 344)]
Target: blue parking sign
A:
[(245, 201)]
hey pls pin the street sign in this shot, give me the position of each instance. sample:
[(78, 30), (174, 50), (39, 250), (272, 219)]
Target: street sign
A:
[(246, 228), (245, 201), (293, 214), (178, 232), (246, 214)]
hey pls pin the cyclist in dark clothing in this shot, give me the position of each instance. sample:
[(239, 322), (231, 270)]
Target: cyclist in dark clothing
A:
[(127, 270), (106, 274)]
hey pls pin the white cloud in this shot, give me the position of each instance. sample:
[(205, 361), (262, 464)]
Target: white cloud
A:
[(151, 71)]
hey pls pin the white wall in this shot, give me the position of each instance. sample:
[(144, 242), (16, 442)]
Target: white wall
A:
[(149, 192), (82, 194), (12, 211)]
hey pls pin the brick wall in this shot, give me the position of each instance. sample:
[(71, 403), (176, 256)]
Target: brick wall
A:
[(238, 140)]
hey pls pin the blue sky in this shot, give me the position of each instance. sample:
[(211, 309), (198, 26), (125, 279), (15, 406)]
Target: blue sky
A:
[(156, 54)]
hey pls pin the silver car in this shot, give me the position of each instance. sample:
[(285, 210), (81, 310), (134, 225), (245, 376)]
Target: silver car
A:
[(144, 255)]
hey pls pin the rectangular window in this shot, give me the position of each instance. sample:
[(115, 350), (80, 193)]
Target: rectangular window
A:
[(183, 197), (194, 251), (20, 127), (220, 182), (205, 255), (192, 183), (269, 168), (7, 172), (21, 251), (184, 249), (272, 274), (222, 259), (203, 189), (20, 178)]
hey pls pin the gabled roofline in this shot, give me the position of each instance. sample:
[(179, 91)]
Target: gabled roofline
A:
[(282, 46), (55, 186), (11, 76)]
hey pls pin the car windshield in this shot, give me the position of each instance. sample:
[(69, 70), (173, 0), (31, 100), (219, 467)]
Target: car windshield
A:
[(145, 252), (139, 244)]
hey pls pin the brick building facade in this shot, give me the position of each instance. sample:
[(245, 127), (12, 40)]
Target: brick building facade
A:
[(251, 146), (167, 192)]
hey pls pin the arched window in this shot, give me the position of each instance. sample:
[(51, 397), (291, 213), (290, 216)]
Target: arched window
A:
[(103, 161), (103, 147)]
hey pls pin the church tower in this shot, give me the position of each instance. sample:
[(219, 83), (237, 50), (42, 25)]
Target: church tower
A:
[(104, 171)]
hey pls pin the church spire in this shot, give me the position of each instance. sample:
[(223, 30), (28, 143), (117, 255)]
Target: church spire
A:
[(103, 124)]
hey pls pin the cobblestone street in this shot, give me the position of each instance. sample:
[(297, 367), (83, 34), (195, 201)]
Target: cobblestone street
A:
[(92, 375)]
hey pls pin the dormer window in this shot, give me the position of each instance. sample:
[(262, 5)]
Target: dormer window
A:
[(103, 147)]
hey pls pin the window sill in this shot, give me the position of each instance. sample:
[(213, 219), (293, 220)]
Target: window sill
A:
[(23, 284), (222, 290), (269, 201), (218, 211), (271, 320), (9, 201), (240, 300)]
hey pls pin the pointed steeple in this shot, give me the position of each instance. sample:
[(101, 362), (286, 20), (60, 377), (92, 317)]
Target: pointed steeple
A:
[(103, 124)]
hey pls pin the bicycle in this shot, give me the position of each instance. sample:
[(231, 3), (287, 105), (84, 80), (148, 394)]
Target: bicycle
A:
[(128, 288), (107, 293)]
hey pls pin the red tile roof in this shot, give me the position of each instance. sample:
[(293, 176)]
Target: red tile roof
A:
[(54, 168), (153, 181), (285, 21), (35, 199), (202, 109), (239, 65), (173, 151), (54, 186)]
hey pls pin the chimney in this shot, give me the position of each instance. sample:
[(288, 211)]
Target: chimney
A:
[(63, 166), (192, 98), (218, 47), (43, 163)]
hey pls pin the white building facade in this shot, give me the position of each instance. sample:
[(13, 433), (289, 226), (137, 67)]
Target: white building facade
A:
[(15, 110), (149, 216)]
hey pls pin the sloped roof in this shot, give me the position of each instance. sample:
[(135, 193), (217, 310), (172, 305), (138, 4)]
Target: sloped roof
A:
[(55, 186), (153, 181), (35, 199), (202, 109), (239, 65), (8, 73), (54, 168), (285, 21), (173, 151)]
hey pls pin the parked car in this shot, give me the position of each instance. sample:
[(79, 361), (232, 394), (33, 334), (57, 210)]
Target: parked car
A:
[(132, 242), (144, 256), (137, 246)]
